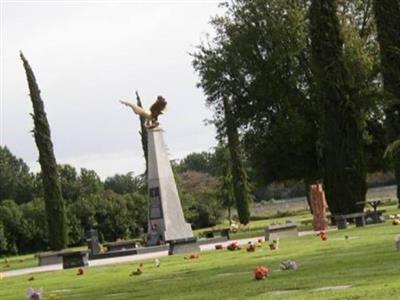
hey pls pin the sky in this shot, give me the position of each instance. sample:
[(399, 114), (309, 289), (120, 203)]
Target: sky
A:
[(87, 55)]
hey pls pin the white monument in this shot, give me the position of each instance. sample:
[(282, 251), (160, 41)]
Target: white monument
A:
[(166, 222), (165, 210)]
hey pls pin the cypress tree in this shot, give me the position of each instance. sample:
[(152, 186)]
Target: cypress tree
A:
[(344, 173), (54, 205), (239, 177), (143, 131), (387, 17)]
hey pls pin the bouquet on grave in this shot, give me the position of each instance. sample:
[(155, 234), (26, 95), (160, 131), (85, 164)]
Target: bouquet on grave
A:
[(31, 294), (288, 265), (218, 247), (251, 247), (233, 246), (323, 235), (274, 245), (261, 273)]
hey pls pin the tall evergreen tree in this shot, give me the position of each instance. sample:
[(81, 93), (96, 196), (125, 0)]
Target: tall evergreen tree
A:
[(344, 172), (143, 130), (55, 214), (387, 17)]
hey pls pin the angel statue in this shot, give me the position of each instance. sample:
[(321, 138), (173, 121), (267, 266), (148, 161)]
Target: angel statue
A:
[(151, 115)]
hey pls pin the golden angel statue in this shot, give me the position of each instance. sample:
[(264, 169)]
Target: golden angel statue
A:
[(150, 115)]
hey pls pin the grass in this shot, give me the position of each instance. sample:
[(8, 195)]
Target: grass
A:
[(367, 262)]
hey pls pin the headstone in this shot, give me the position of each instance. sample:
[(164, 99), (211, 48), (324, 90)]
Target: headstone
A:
[(319, 207), (74, 259), (93, 241), (166, 220), (274, 232)]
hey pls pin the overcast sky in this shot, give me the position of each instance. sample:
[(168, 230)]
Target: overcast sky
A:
[(87, 55)]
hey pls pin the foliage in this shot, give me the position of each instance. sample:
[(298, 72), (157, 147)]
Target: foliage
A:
[(125, 183), (55, 213), (143, 131), (204, 162), (344, 172), (16, 182), (387, 16), (115, 216), (70, 185), (3, 240), (11, 218), (200, 202)]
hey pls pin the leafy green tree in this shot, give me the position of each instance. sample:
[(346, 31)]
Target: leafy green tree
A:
[(261, 50), (387, 16), (115, 216), (89, 183), (55, 213), (69, 182), (125, 183), (211, 63), (3, 239), (11, 218), (342, 132), (33, 226), (199, 162), (16, 182)]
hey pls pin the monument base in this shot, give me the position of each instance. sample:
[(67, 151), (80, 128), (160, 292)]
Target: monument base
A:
[(188, 245)]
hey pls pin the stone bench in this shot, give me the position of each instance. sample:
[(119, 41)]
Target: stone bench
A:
[(341, 220), (120, 245), (224, 232), (273, 232), (186, 245), (49, 258), (69, 259)]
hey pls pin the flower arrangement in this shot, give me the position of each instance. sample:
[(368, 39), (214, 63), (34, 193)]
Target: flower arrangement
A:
[(192, 256), (323, 235), (31, 294), (251, 247), (139, 271), (157, 263), (219, 247), (81, 271), (233, 246), (288, 265), (261, 273)]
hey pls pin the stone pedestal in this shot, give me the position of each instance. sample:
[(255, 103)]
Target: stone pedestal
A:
[(319, 207), (166, 221)]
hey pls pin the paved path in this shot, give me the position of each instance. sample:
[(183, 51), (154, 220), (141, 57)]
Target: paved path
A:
[(135, 257)]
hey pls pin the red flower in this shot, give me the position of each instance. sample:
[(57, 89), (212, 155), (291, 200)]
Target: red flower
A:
[(218, 247), (233, 246), (323, 235), (261, 272)]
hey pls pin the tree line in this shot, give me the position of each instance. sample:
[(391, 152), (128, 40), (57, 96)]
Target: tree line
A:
[(305, 90), (117, 206)]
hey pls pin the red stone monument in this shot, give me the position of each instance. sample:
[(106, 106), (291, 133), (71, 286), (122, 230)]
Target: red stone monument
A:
[(319, 207)]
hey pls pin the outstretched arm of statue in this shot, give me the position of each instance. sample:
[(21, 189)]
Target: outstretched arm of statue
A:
[(137, 109)]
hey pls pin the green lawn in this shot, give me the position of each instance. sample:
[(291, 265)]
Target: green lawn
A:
[(367, 263)]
